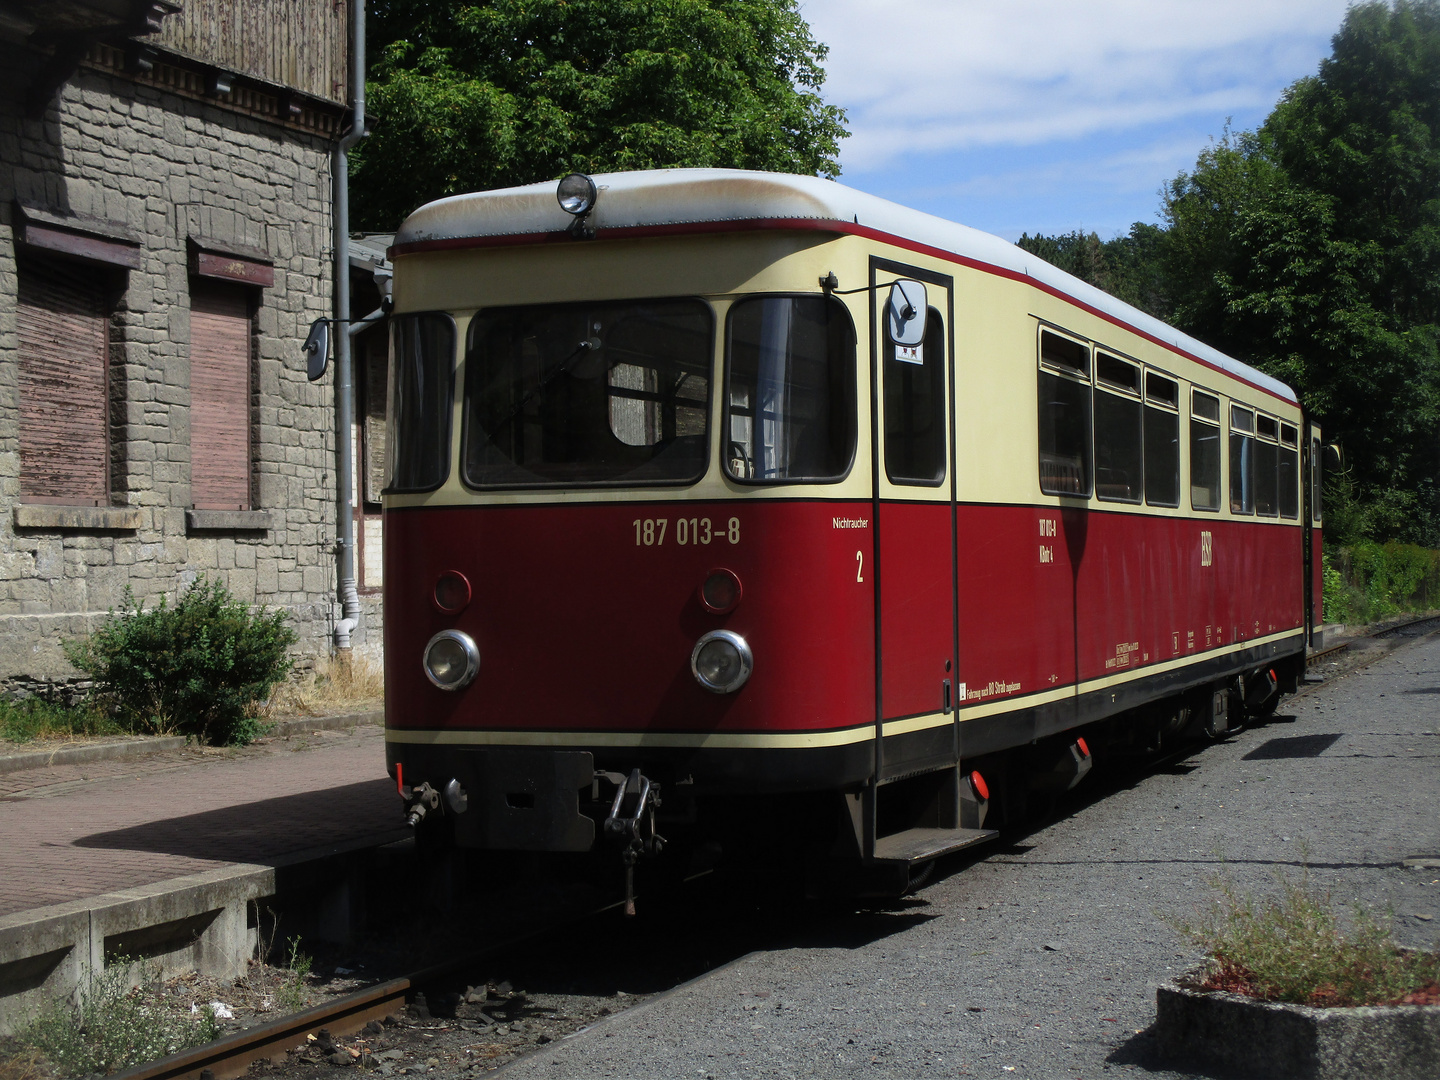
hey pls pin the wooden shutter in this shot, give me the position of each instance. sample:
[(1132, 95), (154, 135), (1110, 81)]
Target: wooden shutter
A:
[(64, 386), (219, 397)]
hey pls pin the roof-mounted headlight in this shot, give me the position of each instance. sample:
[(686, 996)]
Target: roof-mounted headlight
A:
[(721, 661), (451, 659), (576, 194)]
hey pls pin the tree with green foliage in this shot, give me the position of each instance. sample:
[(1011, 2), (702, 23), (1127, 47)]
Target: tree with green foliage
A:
[(1127, 266), (1311, 249), (469, 96)]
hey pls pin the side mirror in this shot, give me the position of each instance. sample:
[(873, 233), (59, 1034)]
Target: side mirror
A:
[(317, 349), (906, 313)]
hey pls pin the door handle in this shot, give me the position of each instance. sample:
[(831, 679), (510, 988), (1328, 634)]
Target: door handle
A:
[(945, 693)]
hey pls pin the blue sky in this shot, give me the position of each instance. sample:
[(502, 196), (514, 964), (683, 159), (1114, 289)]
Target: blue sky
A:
[(1052, 115)]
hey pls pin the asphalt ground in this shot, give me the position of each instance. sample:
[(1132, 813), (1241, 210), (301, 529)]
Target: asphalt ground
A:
[(1041, 958)]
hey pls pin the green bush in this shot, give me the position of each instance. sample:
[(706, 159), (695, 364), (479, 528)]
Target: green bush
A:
[(1367, 582), (111, 1026), (199, 668)]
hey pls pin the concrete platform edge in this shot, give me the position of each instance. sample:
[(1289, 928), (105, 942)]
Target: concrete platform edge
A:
[(206, 922), (1233, 1035), (132, 749)]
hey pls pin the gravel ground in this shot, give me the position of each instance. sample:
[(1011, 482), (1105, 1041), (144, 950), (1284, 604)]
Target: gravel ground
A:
[(1041, 959)]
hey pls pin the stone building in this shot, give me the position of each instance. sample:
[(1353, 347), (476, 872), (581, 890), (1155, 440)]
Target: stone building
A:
[(165, 242)]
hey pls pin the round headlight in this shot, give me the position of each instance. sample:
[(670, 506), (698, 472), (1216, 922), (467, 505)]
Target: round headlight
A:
[(451, 659), (576, 194), (721, 591), (721, 661)]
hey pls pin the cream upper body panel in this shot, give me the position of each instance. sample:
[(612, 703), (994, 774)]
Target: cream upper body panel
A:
[(474, 251), (657, 199)]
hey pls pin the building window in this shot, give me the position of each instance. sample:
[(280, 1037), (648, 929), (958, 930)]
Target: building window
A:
[(220, 351), (1204, 451), (63, 319), (1064, 415)]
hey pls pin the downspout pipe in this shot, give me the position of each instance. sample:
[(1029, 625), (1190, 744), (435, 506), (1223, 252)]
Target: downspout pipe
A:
[(344, 367)]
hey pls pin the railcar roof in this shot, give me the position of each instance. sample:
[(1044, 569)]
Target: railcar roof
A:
[(671, 198)]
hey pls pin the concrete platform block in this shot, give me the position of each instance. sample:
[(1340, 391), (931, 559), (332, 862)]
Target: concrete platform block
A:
[(197, 923), (1235, 1036)]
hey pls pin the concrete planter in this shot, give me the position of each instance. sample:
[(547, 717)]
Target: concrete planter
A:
[(1233, 1035)]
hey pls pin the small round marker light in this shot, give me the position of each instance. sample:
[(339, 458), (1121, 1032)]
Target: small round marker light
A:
[(576, 194), (978, 785), (721, 661), (452, 591), (1084, 747), (721, 591), (451, 659)]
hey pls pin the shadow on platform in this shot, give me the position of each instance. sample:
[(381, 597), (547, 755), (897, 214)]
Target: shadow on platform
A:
[(255, 832)]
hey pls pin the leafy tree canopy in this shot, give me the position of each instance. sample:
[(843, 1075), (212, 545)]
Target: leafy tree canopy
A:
[(469, 96), (1311, 249)]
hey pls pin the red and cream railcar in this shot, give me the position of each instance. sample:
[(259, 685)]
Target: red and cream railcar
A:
[(791, 503)]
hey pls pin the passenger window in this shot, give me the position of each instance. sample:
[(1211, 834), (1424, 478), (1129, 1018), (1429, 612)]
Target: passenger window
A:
[(915, 412), (1204, 451), (1162, 440), (1289, 471), (1064, 384), (790, 389), (1315, 480), (1118, 433), (1242, 460), (1267, 466)]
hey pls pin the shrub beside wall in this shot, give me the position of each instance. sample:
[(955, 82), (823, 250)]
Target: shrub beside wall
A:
[(1367, 582), (198, 668)]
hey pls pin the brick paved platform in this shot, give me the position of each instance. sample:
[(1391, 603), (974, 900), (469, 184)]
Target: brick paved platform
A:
[(74, 831)]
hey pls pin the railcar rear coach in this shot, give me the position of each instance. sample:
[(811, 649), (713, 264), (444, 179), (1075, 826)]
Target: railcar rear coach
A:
[(750, 507)]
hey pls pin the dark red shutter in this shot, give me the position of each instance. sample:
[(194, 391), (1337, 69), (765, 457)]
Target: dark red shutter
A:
[(219, 397), (64, 389)]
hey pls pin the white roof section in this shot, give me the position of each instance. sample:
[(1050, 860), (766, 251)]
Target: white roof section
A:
[(695, 196)]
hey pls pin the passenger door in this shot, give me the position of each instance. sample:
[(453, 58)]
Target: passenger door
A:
[(916, 649)]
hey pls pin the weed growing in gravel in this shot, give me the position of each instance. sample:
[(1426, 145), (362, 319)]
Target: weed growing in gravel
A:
[(1294, 948), (112, 1026), (292, 994)]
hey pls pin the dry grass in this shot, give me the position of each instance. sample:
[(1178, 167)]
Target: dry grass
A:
[(336, 684)]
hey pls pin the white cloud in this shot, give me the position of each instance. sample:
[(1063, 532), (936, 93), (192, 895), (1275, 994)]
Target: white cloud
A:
[(944, 75)]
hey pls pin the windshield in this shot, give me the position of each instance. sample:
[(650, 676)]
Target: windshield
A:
[(599, 393), (790, 397)]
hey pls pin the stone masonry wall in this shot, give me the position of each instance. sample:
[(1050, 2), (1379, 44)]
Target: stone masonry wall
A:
[(168, 168)]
